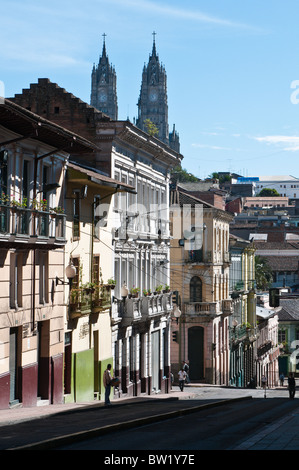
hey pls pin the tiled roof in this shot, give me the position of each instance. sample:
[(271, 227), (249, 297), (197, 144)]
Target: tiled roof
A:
[(283, 263), (289, 310)]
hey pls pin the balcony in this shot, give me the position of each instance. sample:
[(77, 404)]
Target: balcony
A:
[(138, 308), (198, 256), (241, 333), (201, 308), (86, 301), (209, 308), (227, 306), (29, 225)]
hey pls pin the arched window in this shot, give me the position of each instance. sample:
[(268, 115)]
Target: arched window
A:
[(195, 289)]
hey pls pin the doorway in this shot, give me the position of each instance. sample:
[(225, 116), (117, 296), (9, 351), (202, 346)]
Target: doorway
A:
[(196, 352), (13, 365), (155, 360)]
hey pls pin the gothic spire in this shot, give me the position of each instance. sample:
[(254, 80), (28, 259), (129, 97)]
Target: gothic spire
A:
[(104, 54), (154, 52)]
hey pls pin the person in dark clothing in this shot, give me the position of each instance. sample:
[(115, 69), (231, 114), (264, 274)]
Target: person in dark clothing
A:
[(292, 385), (186, 369)]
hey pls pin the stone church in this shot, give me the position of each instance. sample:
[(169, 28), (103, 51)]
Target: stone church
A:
[(152, 102)]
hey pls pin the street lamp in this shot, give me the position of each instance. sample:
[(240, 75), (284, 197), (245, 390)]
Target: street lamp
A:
[(70, 272), (176, 313), (124, 291)]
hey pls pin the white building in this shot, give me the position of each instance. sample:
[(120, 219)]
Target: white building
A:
[(285, 185)]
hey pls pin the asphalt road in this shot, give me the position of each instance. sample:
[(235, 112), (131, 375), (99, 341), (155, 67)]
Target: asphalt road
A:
[(220, 428)]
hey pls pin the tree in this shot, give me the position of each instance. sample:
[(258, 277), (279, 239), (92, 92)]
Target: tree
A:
[(151, 128), (180, 174), (222, 178), (263, 273), (268, 192)]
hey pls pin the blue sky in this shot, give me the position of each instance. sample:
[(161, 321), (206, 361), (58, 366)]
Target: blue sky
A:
[(230, 67)]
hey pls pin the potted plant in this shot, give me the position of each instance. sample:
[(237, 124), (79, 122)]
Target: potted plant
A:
[(134, 291), (166, 288), (75, 300), (54, 211), (147, 292), (89, 287), (111, 283), (4, 199), (159, 289)]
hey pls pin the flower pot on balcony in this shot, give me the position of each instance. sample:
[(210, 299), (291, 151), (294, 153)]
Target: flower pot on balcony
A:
[(96, 306)]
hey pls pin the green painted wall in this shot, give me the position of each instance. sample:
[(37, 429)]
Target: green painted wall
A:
[(87, 377), (84, 376)]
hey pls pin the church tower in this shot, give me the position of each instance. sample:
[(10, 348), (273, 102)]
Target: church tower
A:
[(103, 86), (153, 102)]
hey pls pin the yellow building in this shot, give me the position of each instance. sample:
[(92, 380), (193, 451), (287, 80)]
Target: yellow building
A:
[(243, 325), (200, 275), (89, 248)]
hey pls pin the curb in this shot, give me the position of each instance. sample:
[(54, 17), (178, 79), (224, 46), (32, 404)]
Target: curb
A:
[(91, 433)]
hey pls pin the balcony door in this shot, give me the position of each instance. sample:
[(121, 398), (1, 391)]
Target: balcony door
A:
[(195, 289)]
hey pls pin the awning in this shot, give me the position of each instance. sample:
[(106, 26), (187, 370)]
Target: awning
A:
[(96, 177)]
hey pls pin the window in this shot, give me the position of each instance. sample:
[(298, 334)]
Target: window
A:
[(3, 171), (25, 179), (76, 263), (76, 216), (43, 261), (16, 273), (96, 270), (99, 218), (282, 336), (195, 289)]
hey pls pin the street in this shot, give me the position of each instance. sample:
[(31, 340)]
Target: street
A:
[(220, 428)]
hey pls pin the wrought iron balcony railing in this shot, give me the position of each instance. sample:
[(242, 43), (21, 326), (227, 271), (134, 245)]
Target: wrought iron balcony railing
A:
[(88, 300), (29, 223)]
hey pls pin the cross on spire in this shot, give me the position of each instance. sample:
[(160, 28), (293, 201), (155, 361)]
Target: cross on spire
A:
[(104, 45), (154, 44)]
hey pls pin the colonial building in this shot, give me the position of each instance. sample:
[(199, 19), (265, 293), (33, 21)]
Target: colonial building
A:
[(32, 309), (243, 323), (288, 333), (140, 232), (267, 346), (200, 275), (88, 344)]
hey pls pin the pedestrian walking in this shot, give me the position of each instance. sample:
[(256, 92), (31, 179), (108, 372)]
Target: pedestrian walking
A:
[(186, 369), (292, 385), (107, 379), (264, 384), (182, 377), (281, 378)]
